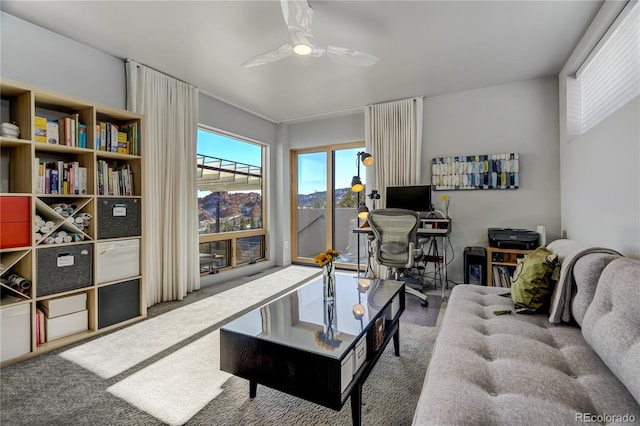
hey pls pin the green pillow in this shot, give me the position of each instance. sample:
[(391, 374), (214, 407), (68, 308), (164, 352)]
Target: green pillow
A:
[(533, 282)]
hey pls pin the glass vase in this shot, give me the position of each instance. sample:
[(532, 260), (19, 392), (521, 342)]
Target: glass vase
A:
[(329, 282)]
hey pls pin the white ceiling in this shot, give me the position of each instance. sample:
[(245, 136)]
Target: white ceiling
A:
[(425, 47)]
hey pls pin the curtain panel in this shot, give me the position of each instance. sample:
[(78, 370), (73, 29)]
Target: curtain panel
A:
[(393, 133), (170, 225)]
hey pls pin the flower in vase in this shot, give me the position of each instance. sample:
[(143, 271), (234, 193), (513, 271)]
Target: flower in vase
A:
[(326, 257), (444, 199)]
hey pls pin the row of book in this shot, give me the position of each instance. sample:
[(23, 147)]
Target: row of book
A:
[(123, 139), (69, 131), (65, 131), (59, 177), (116, 180), (41, 336), (502, 276)]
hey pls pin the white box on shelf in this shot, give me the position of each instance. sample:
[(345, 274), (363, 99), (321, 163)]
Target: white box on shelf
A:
[(360, 353), (64, 305), (16, 331), (66, 325), (117, 260), (393, 308), (346, 371)]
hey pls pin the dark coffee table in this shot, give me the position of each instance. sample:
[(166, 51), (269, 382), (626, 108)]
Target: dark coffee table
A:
[(316, 350)]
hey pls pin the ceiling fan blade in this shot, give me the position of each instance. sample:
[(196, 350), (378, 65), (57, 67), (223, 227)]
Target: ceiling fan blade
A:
[(297, 15), (268, 57), (351, 57)]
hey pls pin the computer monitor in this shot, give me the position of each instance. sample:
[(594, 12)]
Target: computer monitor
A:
[(415, 197)]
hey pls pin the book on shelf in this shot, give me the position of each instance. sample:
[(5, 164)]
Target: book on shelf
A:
[(122, 143), (82, 135), (53, 134), (40, 327), (116, 180), (69, 130), (113, 137), (133, 136), (40, 129)]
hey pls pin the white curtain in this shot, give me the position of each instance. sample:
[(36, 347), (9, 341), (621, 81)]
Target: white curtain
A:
[(170, 220), (393, 134)]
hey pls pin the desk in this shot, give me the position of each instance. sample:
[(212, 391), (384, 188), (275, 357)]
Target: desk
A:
[(423, 231)]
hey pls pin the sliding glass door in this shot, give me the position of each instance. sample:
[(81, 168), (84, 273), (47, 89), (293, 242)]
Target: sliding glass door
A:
[(324, 207)]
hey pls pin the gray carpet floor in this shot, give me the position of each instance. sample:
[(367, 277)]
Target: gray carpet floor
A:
[(48, 390)]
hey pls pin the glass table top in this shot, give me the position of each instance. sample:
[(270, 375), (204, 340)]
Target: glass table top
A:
[(302, 319)]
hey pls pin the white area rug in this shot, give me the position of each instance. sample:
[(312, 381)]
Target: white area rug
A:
[(121, 350), (175, 388)]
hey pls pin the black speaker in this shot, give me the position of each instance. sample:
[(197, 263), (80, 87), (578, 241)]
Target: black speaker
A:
[(475, 265)]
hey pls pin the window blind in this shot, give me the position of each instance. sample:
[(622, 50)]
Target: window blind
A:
[(611, 75)]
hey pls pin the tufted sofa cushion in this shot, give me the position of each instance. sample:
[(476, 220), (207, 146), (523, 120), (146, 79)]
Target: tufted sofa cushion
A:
[(513, 369), (612, 323), (586, 273)]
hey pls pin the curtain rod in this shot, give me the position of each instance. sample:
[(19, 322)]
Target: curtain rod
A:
[(415, 98), (131, 61)]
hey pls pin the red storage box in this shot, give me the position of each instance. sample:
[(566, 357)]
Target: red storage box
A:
[(15, 222)]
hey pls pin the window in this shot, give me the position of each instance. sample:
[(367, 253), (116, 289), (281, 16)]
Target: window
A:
[(230, 201), (609, 78), (324, 207)]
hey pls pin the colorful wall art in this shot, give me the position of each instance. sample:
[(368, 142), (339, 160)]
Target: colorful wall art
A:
[(491, 171)]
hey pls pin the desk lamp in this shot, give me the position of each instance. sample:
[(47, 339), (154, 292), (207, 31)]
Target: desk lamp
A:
[(356, 186)]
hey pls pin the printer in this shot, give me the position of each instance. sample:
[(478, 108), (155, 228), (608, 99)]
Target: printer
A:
[(509, 238)]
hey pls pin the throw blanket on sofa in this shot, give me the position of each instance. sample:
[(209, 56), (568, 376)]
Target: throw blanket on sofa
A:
[(568, 252)]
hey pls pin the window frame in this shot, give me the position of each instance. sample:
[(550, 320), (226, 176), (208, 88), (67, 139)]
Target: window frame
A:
[(293, 165), (232, 237)]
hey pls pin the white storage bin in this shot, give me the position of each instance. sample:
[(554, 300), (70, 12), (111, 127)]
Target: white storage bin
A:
[(360, 353), (117, 260), (393, 308), (64, 305), (66, 325), (16, 331), (346, 371)]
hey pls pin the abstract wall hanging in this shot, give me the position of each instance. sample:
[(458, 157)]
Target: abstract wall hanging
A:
[(490, 171)]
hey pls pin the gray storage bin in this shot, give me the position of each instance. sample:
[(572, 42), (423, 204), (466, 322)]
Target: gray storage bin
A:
[(118, 302), (64, 268), (118, 217)]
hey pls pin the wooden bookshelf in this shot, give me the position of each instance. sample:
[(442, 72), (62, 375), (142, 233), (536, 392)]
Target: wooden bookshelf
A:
[(503, 257), (75, 213)]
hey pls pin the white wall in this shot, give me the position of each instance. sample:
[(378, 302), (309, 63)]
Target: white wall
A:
[(519, 117), (327, 131), (33, 55), (601, 183)]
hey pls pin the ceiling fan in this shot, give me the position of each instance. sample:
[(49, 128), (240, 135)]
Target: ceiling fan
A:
[(297, 16)]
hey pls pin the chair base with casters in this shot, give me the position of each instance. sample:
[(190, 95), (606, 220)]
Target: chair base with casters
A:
[(395, 232), (394, 274)]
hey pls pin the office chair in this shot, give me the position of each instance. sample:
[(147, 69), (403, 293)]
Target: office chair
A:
[(395, 233)]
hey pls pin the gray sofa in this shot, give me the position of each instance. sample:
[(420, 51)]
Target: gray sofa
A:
[(524, 370)]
